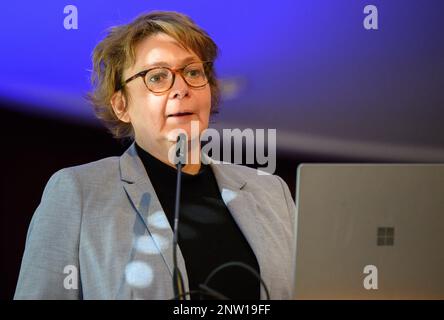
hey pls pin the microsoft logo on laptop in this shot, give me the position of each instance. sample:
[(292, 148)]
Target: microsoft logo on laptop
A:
[(386, 236)]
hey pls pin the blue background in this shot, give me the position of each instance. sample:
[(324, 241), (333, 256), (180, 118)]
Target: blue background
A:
[(307, 68)]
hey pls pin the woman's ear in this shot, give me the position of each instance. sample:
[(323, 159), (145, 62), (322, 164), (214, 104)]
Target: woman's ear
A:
[(119, 104)]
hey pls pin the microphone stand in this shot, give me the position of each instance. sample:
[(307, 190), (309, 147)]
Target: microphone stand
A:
[(178, 286)]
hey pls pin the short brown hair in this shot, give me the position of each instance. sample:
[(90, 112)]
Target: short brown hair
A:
[(116, 52)]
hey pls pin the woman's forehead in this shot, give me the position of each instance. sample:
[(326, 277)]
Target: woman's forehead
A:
[(162, 50)]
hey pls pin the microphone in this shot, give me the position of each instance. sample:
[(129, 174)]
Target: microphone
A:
[(181, 149), (181, 145)]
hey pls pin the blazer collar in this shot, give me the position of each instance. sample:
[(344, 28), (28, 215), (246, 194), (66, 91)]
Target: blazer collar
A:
[(133, 171)]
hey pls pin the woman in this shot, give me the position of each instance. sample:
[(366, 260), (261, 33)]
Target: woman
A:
[(104, 230)]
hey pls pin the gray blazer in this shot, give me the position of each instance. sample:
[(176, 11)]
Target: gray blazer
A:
[(100, 232)]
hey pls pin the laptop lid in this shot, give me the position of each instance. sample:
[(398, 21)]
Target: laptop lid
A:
[(370, 231)]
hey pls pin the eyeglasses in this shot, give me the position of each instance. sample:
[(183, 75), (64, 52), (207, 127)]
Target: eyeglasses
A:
[(161, 79)]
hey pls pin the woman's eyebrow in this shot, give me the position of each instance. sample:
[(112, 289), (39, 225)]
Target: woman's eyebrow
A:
[(166, 64)]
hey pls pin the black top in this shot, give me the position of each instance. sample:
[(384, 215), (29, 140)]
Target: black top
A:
[(208, 235)]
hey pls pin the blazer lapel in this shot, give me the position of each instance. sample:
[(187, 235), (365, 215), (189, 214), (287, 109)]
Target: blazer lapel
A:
[(144, 199), (244, 207)]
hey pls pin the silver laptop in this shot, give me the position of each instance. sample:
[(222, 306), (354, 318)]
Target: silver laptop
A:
[(370, 231)]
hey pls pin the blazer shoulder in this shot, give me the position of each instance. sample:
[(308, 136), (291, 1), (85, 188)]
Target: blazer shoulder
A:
[(256, 179), (108, 163), (84, 178), (98, 170), (247, 173)]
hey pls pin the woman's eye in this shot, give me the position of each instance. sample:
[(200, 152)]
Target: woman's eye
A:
[(194, 73), (158, 77)]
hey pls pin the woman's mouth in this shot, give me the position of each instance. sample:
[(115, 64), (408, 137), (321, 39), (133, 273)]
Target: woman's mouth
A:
[(180, 114), (181, 117)]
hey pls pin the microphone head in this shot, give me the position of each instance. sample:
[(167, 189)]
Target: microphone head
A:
[(181, 146)]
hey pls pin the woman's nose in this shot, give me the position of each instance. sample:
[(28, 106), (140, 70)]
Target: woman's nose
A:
[(180, 87)]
